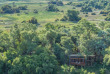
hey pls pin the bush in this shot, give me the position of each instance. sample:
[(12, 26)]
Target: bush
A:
[(62, 11), (69, 3), (86, 9), (35, 11), (18, 14), (86, 15), (102, 71), (93, 13), (33, 20), (52, 2), (104, 12), (85, 12), (22, 7), (98, 7), (26, 12), (78, 5), (59, 3), (56, 20), (16, 10), (65, 18), (74, 8), (52, 8), (107, 18), (104, 15), (73, 15), (9, 9)]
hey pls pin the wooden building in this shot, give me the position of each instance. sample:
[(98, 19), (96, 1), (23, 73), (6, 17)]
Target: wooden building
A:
[(81, 60)]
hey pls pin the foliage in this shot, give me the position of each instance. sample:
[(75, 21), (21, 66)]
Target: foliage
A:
[(35, 11), (65, 18), (104, 12), (102, 71), (52, 8), (107, 18), (22, 7), (69, 3), (9, 9), (57, 2), (86, 9), (107, 57), (27, 48), (33, 20), (93, 13), (72, 15)]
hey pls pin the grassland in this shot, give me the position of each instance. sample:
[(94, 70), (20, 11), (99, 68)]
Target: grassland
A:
[(43, 16)]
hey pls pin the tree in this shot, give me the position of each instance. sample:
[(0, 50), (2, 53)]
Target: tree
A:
[(107, 57), (57, 2), (86, 9), (52, 8), (22, 7), (4, 41), (108, 6), (33, 20), (67, 43), (49, 26), (107, 18), (24, 39), (60, 54), (45, 63), (51, 36), (73, 15)]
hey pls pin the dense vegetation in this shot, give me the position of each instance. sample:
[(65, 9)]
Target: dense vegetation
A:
[(38, 37), (9, 9)]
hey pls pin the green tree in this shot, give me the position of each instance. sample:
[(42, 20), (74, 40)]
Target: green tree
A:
[(107, 57), (52, 8), (73, 15)]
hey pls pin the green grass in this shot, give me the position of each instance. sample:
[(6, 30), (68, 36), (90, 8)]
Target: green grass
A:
[(44, 16)]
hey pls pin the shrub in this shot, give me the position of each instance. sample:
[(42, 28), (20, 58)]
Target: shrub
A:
[(107, 18), (86, 15), (22, 7), (56, 20), (78, 5), (33, 20), (102, 71), (52, 2), (69, 3), (104, 12), (62, 11), (9, 9), (18, 14), (52, 8), (93, 13), (65, 18), (74, 8), (104, 15), (23, 21), (59, 3), (16, 10), (35, 11), (86, 12), (86, 9), (73, 15), (26, 12)]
